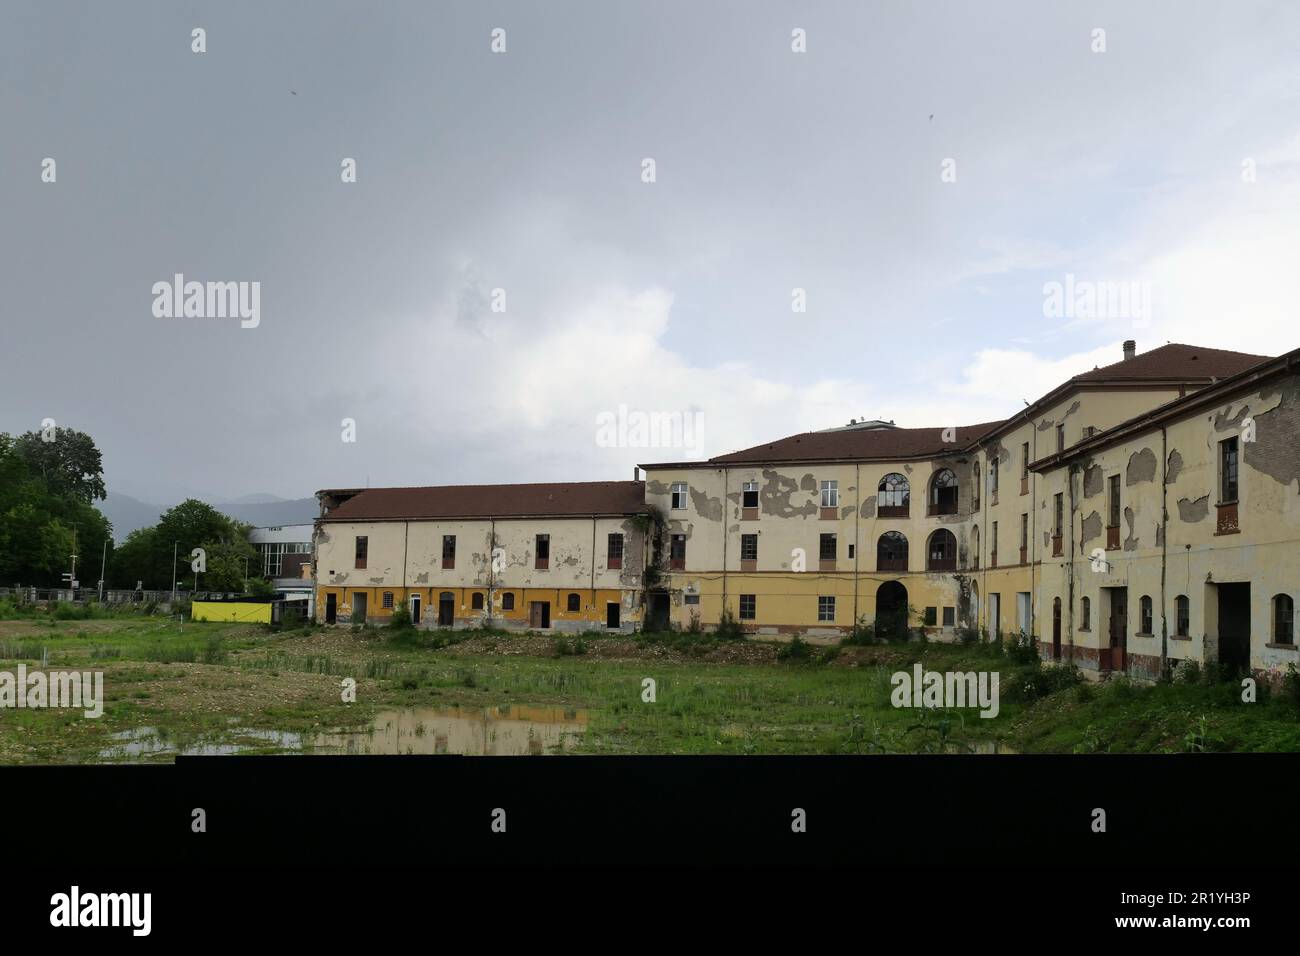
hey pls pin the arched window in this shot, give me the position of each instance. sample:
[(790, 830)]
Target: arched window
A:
[(943, 493), (1085, 612), (975, 486), (975, 548), (1183, 615), (476, 601), (508, 601), (941, 555), (575, 603), (893, 497), (891, 552), (1144, 615), (1283, 619)]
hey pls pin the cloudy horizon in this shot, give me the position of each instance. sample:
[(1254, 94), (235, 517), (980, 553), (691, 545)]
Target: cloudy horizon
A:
[(922, 174)]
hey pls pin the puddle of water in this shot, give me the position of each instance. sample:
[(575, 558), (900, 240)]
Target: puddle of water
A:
[(494, 731), (149, 741), (981, 747)]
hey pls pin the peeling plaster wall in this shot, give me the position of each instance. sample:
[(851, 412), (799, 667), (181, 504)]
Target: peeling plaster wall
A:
[(1265, 552)]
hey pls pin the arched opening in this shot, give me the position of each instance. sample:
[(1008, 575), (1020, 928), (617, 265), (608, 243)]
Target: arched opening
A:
[(891, 610), (975, 548), (943, 493), (941, 555), (1283, 619), (891, 552), (893, 497)]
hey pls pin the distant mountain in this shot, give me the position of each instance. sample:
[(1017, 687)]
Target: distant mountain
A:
[(254, 499), (127, 513), (281, 512)]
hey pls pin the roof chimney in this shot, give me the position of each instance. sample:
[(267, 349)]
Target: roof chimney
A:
[(1130, 349)]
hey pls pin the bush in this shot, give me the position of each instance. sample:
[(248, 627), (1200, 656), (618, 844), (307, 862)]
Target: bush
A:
[(863, 633), (729, 629), (401, 616), (566, 647), (797, 650)]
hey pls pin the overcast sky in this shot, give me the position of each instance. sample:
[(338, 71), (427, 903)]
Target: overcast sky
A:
[(774, 170)]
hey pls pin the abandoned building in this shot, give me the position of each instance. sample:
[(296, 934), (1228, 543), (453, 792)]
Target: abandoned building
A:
[(1138, 514), (545, 556)]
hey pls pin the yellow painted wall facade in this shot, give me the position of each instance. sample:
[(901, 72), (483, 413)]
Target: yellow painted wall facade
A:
[(495, 560)]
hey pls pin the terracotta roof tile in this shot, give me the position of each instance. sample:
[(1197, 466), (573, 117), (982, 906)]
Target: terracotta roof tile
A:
[(1175, 361), (559, 499), (860, 443)]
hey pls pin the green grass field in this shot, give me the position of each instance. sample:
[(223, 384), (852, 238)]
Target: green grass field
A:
[(249, 689)]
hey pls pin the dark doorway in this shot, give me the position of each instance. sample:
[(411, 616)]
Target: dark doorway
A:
[(539, 615), (659, 612), (1234, 626), (891, 610), (415, 609), (1118, 630), (611, 615), (331, 608), (446, 609), (359, 608), (1056, 629)]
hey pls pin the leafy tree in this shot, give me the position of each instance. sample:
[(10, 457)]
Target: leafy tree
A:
[(45, 508), (70, 464)]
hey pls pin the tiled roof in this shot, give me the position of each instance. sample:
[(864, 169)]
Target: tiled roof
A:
[(1174, 362), (560, 499), (863, 443)]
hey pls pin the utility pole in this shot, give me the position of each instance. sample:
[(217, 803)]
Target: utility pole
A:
[(103, 562), (174, 546)]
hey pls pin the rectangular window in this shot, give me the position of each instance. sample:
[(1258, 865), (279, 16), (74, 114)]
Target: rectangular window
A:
[(1184, 616), (388, 599), (749, 495), (993, 479), (826, 608), (448, 550), (748, 607), (949, 616), (1024, 532), (1114, 503), (931, 616), (830, 494), (993, 546), (1060, 516), (363, 547), (851, 550), (1228, 471), (828, 551), (1024, 460), (691, 599), (1060, 438), (749, 547), (614, 551), (679, 496), (542, 561), (677, 552)]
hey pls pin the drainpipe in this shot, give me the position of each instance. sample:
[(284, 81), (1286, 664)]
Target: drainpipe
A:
[(726, 485), (1164, 549), (492, 568), (593, 563), (1069, 566), (857, 541)]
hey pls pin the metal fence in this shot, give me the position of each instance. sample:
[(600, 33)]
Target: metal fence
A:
[(82, 595)]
